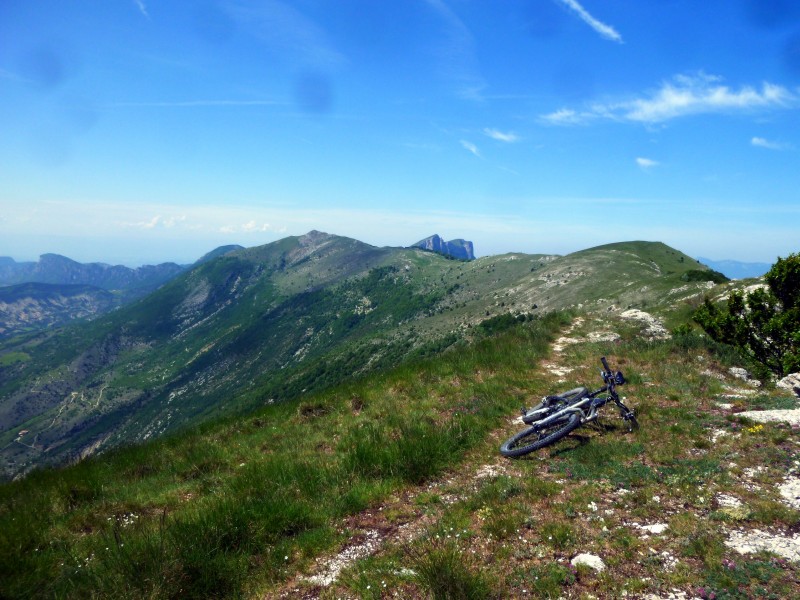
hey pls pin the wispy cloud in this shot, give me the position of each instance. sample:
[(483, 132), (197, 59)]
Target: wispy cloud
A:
[(682, 96), (646, 163), (760, 142), (288, 32), (509, 137), (195, 103), (607, 31), (565, 116), (471, 148), (142, 8), (457, 54), (157, 222)]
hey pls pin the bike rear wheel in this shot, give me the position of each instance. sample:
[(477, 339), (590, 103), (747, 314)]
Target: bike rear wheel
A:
[(533, 438)]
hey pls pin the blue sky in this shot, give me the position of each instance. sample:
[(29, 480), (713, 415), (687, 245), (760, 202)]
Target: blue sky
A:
[(137, 131)]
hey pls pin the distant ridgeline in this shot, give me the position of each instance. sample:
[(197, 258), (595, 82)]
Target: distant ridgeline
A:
[(56, 290), (735, 269), (460, 249), (56, 269)]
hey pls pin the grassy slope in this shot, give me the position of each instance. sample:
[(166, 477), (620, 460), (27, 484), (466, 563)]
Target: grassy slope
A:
[(240, 507), (299, 314)]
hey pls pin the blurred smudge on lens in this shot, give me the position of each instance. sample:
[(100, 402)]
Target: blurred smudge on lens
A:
[(791, 55), (212, 24), (313, 93), (543, 19), (772, 14), (43, 68)]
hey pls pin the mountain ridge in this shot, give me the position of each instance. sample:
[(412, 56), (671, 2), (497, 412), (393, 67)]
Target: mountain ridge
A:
[(273, 322)]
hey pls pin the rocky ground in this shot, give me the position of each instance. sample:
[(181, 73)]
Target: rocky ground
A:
[(720, 521)]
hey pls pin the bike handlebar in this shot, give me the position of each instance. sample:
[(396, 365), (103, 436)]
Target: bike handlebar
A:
[(605, 364)]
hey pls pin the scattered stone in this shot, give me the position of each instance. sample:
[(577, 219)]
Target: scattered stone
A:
[(490, 471), (742, 374), (673, 595), (655, 528), (654, 328), (739, 373), (754, 471), (732, 507), (716, 434), (589, 560), (764, 416), (557, 370), (331, 569), (603, 336), (726, 500), (790, 491), (790, 382), (751, 542), (714, 374)]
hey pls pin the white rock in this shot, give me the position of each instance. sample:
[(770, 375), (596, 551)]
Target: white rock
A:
[(654, 327), (764, 416), (790, 491), (739, 373), (590, 560), (726, 501), (655, 528), (750, 542), (790, 382)]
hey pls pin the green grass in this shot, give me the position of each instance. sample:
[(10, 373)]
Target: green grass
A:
[(11, 358), (235, 506)]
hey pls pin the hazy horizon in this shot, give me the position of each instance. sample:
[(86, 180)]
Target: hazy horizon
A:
[(137, 132)]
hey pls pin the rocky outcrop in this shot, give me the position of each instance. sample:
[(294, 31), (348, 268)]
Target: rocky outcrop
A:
[(461, 249)]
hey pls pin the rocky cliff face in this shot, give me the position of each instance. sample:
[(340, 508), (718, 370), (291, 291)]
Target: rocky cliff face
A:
[(459, 248)]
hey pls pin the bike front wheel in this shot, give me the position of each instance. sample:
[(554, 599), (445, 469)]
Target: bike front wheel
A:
[(535, 437)]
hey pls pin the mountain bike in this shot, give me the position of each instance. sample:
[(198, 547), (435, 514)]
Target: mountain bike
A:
[(559, 414)]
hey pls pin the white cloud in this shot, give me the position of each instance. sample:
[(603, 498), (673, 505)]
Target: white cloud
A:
[(604, 30), (565, 116), (471, 147), (682, 96), (760, 142), (647, 163), (509, 137)]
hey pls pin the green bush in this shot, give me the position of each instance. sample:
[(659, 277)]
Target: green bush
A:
[(765, 323)]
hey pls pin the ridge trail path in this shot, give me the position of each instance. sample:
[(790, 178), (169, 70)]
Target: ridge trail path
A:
[(655, 519), (399, 520)]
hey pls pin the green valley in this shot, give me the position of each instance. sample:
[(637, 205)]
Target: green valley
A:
[(264, 325)]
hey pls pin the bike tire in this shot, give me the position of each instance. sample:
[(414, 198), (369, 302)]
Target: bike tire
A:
[(531, 439)]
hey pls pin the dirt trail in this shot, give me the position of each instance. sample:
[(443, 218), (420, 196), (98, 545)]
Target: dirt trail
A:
[(401, 519)]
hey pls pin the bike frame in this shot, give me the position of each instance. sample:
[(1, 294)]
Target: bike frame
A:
[(586, 406)]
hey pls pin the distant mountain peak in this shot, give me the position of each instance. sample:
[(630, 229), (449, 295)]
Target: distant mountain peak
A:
[(458, 248)]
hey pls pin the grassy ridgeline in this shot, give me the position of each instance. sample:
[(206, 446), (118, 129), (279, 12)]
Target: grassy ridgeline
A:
[(235, 505)]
